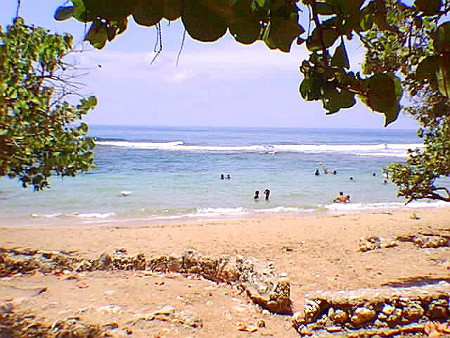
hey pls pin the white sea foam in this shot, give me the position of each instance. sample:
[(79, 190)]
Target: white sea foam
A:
[(74, 215), (46, 215), (141, 145), (394, 150), (374, 206), (92, 215), (283, 210), (211, 212)]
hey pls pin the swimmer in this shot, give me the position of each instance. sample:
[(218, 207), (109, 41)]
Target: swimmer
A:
[(351, 178), (228, 177), (267, 193), (341, 198), (256, 195), (317, 173), (374, 174), (222, 176)]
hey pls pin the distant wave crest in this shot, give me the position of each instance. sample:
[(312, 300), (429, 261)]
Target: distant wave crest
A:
[(377, 150)]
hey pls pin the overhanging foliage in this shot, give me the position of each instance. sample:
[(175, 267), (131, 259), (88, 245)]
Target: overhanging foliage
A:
[(38, 135)]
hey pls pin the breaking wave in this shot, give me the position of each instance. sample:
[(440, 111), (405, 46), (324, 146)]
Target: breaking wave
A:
[(378, 150)]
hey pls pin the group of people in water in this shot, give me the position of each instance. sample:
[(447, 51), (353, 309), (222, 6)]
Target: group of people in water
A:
[(341, 198), (266, 193), (344, 198)]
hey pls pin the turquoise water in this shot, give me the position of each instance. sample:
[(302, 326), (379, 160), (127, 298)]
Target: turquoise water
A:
[(171, 173)]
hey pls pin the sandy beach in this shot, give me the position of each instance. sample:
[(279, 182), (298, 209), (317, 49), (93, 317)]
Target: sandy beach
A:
[(317, 252)]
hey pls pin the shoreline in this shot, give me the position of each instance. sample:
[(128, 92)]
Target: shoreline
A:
[(105, 219)]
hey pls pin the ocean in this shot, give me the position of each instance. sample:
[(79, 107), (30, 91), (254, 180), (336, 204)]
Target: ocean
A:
[(147, 174)]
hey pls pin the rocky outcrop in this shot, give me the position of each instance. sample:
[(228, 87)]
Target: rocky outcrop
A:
[(13, 324), (383, 310), (171, 315), (258, 280), (420, 240)]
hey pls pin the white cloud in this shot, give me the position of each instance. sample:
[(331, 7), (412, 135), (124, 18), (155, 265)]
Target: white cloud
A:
[(223, 61)]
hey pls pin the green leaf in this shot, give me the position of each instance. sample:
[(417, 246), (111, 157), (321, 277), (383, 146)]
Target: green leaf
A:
[(380, 15), (92, 101), (441, 38), (81, 13), (347, 99), (427, 68), (443, 74), (366, 21), (245, 25), (340, 57), (64, 13), (283, 30), (201, 23), (428, 7), (324, 8), (310, 88), (148, 12), (345, 7), (113, 10), (245, 31), (321, 34), (391, 114), (383, 92), (172, 9), (97, 34)]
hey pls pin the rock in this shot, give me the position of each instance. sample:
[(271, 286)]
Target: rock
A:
[(339, 316), (169, 314), (369, 243), (438, 309), (246, 328), (311, 310), (261, 323), (104, 262), (390, 244), (110, 326), (431, 241), (304, 331), (388, 309), (394, 318), (333, 329), (5, 307), (122, 261), (413, 311), (174, 264), (362, 315), (166, 310), (110, 309)]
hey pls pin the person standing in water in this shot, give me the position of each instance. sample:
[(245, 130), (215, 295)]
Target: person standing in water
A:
[(256, 197), (267, 193)]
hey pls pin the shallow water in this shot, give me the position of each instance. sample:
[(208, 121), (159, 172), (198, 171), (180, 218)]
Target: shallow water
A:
[(171, 173)]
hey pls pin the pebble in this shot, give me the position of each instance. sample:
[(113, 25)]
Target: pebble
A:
[(110, 309), (362, 315), (5, 308), (388, 309), (166, 310)]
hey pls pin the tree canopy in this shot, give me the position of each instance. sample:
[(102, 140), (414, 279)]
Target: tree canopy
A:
[(39, 136)]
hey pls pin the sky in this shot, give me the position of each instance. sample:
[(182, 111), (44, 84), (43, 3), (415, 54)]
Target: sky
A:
[(224, 83)]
